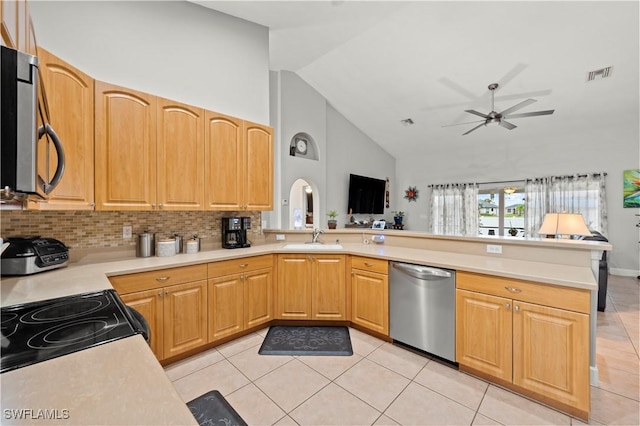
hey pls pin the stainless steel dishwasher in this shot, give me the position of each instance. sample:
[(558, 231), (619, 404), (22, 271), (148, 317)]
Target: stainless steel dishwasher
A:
[(422, 308)]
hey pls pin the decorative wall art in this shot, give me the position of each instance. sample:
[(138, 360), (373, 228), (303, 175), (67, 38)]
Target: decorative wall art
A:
[(411, 194), (631, 188)]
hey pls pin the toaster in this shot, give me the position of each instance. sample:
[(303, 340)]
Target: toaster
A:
[(30, 255)]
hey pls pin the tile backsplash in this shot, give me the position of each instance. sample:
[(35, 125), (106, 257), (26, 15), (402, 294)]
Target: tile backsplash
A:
[(95, 229)]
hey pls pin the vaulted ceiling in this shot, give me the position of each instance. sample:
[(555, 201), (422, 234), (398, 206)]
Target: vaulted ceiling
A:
[(380, 62)]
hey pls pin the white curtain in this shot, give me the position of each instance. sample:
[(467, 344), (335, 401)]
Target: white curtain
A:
[(584, 194), (454, 209)]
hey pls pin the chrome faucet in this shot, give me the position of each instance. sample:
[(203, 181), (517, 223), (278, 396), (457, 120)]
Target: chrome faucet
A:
[(316, 234)]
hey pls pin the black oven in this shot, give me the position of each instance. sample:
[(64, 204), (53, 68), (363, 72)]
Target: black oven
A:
[(39, 331)]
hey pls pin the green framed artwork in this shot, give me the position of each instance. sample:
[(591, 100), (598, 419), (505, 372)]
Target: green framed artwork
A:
[(631, 188)]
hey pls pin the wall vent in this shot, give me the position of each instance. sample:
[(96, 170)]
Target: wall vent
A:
[(601, 73)]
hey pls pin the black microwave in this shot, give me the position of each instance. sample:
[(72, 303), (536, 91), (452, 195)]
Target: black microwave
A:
[(26, 137)]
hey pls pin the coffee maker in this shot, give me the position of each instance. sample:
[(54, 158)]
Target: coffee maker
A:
[(234, 232)]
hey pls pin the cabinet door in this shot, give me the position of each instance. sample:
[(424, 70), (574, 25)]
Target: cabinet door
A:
[(185, 317), (149, 304), (225, 296), (370, 300), (224, 167), (329, 287), (125, 148), (551, 353), (258, 301), (483, 333), (70, 101), (259, 167), (294, 287), (180, 149)]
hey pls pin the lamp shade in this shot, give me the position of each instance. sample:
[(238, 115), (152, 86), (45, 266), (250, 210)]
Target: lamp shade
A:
[(564, 224)]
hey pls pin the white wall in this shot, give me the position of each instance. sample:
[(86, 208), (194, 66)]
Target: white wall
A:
[(177, 50), (351, 151)]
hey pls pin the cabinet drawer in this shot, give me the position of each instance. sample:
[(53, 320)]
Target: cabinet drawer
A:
[(228, 267), (370, 264), (572, 299), (130, 283)]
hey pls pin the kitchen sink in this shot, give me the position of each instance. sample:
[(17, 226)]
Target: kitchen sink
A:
[(312, 246)]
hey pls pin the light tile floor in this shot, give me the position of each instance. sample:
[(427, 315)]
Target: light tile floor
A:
[(383, 384)]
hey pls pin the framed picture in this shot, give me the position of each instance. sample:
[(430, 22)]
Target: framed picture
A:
[(631, 188)]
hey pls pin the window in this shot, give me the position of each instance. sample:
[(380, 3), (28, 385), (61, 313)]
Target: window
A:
[(501, 211)]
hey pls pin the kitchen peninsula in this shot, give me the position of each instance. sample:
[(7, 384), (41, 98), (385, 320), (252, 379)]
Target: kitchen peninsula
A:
[(551, 264)]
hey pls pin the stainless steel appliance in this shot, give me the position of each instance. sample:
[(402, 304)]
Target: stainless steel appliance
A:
[(234, 232), (30, 255), (422, 311), (25, 133), (39, 331)]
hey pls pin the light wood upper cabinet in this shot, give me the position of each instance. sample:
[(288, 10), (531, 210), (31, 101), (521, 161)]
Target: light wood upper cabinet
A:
[(311, 287), (224, 166), (125, 148), (238, 164), (259, 167), (180, 152), (14, 18), (70, 100)]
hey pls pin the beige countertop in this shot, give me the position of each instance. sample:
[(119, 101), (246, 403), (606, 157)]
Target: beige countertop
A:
[(123, 383)]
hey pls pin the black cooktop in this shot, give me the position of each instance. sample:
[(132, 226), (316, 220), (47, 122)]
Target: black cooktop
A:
[(39, 331)]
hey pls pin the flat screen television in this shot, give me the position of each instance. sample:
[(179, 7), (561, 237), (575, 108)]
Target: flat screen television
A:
[(366, 194)]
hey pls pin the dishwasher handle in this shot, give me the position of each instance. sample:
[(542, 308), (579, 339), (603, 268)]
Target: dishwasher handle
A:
[(422, 272)]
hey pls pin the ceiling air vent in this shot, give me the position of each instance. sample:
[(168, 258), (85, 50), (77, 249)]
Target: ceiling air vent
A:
[(601, 73)]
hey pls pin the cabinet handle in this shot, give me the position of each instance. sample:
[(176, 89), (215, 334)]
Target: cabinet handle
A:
[(507, 305), (160, 205), (166, 293), (153, 206), (368, 264), (244, 265), (162, 279), (513, 289), (516, 308), (159, 294)]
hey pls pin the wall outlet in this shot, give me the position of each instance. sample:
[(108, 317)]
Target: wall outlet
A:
[(127, 231), (492, 248), (280, 237)]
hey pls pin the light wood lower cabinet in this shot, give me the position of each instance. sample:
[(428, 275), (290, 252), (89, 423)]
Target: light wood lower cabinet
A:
[(176, 313), (311, 287), (239, 300), (542, 348), (370, 294)]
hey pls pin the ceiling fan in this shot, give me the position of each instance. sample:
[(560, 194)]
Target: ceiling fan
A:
[(499, 117)]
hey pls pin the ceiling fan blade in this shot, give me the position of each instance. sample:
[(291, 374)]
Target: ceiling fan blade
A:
[(470, 111), (517, 106), (507, 125), (529, 114), (477, 127), (467, 122)]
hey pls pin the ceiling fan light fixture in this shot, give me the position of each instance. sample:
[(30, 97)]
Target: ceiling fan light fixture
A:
[(509, 190)]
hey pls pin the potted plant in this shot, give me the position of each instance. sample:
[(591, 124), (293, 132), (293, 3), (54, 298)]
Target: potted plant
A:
[(397, 217), (512, 231), (332, 222)]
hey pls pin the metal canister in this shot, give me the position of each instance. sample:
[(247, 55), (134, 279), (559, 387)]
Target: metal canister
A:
[(178, 243), (145, 245)]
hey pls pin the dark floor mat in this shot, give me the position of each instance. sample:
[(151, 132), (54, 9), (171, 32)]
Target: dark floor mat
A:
[(212, 409), (303, 340)]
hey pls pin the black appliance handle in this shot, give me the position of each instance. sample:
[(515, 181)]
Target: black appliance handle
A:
[(48, 130)]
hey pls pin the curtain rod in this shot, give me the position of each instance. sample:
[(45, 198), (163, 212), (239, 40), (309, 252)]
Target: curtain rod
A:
[(520, 180)]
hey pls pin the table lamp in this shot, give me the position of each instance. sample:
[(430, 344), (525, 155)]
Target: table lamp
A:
[(564, 224)]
